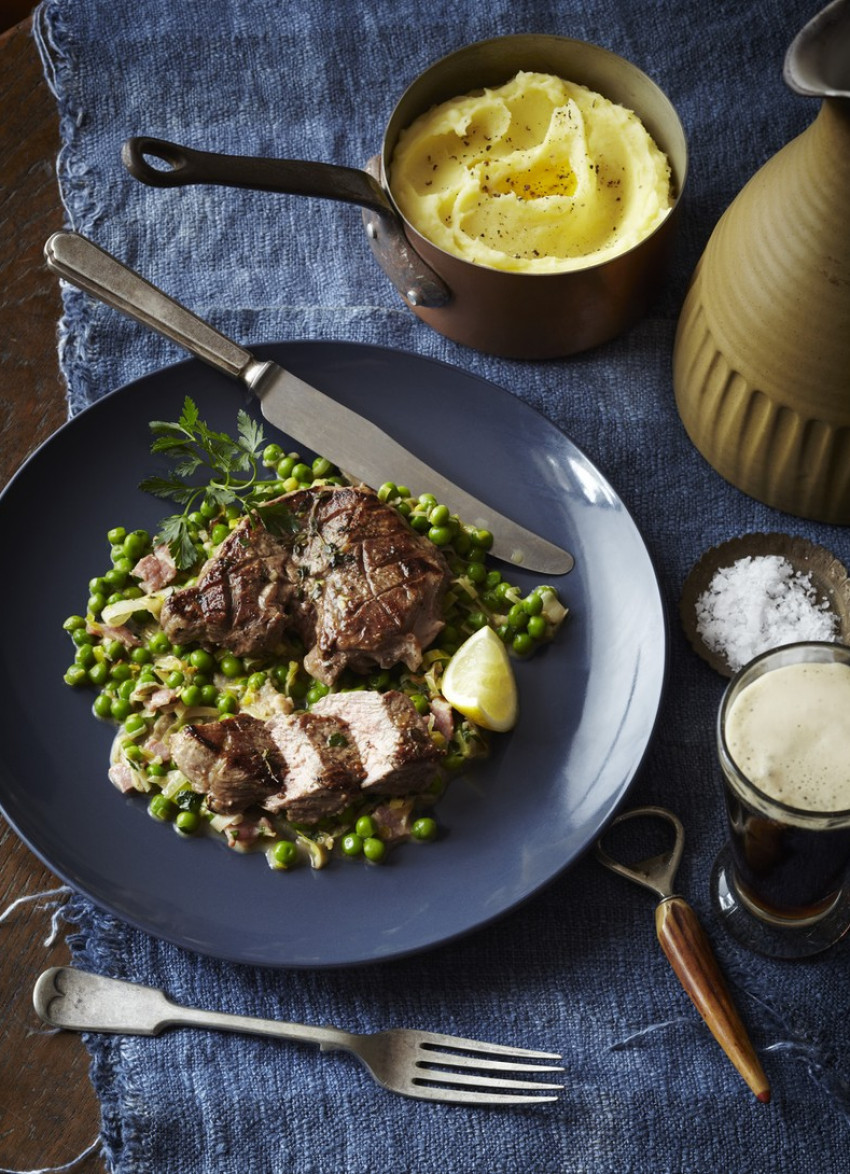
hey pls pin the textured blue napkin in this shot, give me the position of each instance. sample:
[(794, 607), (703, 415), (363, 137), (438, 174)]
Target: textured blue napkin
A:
[(577, 968)]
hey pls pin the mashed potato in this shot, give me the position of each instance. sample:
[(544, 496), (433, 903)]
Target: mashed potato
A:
[(537, 176)]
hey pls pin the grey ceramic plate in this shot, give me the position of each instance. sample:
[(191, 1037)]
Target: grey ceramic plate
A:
[(589, 702)]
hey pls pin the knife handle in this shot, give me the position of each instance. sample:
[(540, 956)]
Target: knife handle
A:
[(689, 952), (84, 264)]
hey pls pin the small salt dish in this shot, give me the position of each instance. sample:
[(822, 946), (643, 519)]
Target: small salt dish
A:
[(815, 565)]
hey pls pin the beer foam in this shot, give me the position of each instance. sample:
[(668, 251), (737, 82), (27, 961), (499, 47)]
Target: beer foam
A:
[(788, 732)]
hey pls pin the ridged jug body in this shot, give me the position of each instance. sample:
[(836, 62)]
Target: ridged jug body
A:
[(761, 363)]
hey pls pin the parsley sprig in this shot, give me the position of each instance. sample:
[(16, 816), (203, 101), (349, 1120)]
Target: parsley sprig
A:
[(231, 467)]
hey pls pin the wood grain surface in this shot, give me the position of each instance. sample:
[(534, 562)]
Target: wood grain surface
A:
[(48, 1110)]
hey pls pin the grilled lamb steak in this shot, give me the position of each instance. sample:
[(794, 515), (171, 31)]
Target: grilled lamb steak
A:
[(240, 601), (353, 580), (398, 753), (235, 762)]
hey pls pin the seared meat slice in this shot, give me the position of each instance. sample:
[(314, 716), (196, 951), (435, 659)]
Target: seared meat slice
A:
[(372, 586), (241, 598), (398, 752), (234, 761), (353, 579), (323, 766)]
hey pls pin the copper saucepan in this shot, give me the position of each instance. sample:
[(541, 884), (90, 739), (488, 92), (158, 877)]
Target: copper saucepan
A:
[(517, 315)]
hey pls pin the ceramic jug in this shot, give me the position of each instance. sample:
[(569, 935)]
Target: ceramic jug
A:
[(761, 363)]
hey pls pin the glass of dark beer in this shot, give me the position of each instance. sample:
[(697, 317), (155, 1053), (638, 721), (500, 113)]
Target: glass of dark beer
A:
[(781, 885)]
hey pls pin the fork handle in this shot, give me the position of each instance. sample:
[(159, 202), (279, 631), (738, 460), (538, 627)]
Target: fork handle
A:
[(689, 952), (78, 1001)]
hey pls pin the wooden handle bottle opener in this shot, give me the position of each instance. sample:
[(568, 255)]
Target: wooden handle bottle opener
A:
[(688, 950)]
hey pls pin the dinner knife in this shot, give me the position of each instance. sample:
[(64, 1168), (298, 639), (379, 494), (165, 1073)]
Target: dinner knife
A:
[(312, 418)]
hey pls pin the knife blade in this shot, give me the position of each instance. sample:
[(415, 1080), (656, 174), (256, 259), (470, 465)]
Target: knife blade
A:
[(354, 444)]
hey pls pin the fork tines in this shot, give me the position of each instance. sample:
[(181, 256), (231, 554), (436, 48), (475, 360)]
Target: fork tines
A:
[(457, 1069)]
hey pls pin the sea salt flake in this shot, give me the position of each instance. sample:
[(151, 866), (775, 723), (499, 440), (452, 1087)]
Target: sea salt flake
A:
[(758, 603)]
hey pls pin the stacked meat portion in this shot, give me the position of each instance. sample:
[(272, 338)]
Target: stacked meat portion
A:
[(313, 763), (349, 577)]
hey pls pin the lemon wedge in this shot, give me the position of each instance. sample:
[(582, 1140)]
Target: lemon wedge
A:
[(479, 682)]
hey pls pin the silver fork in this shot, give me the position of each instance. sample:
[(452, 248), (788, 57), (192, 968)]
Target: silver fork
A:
[(421, 1064)]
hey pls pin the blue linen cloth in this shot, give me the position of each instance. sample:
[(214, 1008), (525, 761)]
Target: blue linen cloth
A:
[(577, 968)]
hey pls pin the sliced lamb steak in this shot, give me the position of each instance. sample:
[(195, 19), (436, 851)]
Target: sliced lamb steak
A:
[(234, 761), (323, 766), (353, 580), (398, 752)]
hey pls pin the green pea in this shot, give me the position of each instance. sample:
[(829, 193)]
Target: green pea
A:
[(76, 674), (73, 623), (533, 604), (196, 519), (199, 658), (157, 769), (272, 454), (96, 602), (388, 491), (209, 695), (126, 689), (256, 681), (476, 620), (209, 508), (302, 472), (120, 671), (97, 584), (85, 655), (103, 705), (113, 649), (476, 572), (316, 692), (227, 703), (420, 523), (441, 535), (522, 643), (123, 564), (218, 533), (518, 618), (135, 723), (427, 499), (536, 627), (159, 643), (141, 656), (482, 538), (161, 807), (439, 515), (352, 844), (322, 467), (374, 849), (187, 822), (116, 577), (231, 666), (421, 703), (285, 853), (80, 637), (285, 467), (403, 508), (99, 674), (119, 709), (116, 535), (493, 579), (136, 543), (191, 695), (365, 827), (424, 828)]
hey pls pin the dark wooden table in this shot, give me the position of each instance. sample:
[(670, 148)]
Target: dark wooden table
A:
[(48, 1109)]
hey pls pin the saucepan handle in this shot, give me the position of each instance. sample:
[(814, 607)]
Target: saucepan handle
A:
[(187, 165), (412, 277)]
